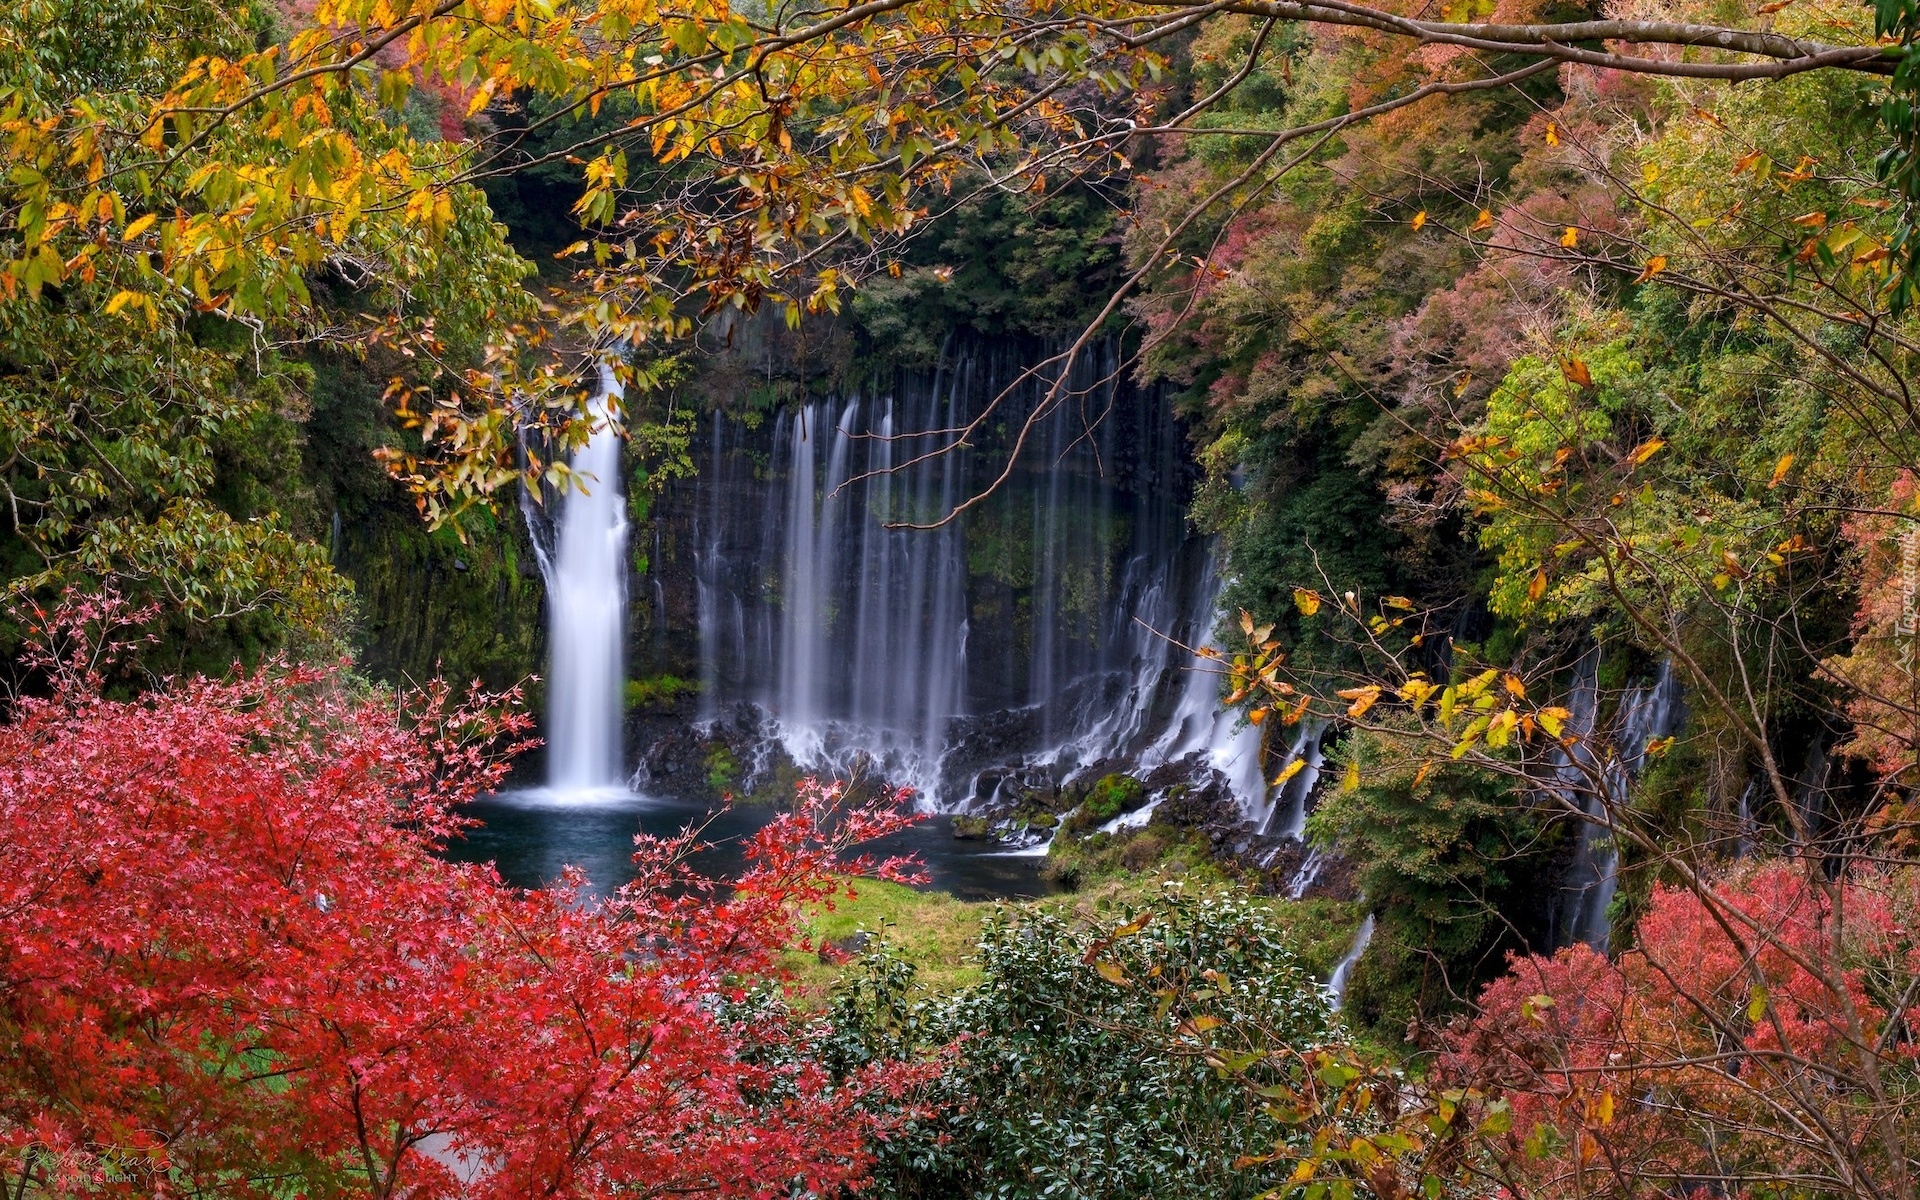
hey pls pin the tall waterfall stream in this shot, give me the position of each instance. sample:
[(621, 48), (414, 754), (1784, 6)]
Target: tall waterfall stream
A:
[(586, 579)]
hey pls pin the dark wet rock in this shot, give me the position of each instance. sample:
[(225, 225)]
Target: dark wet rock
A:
[(839, 950)]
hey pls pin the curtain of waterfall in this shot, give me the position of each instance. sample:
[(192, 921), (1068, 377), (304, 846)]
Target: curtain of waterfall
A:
[(1033, 627)]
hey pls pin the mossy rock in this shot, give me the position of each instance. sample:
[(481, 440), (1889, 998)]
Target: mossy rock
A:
[(723, 769), (971, 828), (658, 693), (1107, 799)]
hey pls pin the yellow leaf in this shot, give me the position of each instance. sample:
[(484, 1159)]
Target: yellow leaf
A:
[(1419, 219), (1256, 716), (1649, 171), (121, 300), (1780, 470), (1538, 587), (1553, 134), (1289, 771), (1553, 720), (1655, 265), (1570, 238), (1398, 602), (1646, 450), (1111, 972), (1307, 601), (139, 227), (1500, 729), (1483, 222), (1351, 782), (1514, 686)]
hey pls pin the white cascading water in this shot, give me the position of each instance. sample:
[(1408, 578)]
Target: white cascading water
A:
[(1343, 970), (1036, 636), (858, 637), (1201, 724), (1646, 714), (587, 603)]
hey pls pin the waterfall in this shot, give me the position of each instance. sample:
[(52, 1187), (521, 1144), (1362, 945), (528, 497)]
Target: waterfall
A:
[(1290, 806), (1032, 627), (1343, 970), (1745, 831), (1200, 724), (586, 602), (1647, 713)]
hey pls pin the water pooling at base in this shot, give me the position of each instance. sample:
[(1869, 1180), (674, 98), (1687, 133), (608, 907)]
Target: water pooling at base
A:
[(532, 835)]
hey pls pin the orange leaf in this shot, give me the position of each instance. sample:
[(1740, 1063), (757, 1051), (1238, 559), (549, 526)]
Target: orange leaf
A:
[(1483, 222), (1576, 372), (1419, 219), (1655, 265), (1780, 470), (1363, 699)]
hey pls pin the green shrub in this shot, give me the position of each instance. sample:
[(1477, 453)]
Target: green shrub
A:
[(1062, 1081)]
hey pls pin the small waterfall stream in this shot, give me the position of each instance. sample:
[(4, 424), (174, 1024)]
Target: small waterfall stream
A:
[(1646, 713), (586, 576), (1343, 970)]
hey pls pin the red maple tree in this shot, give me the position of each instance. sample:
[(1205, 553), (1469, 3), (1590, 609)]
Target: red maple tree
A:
[(1762, 1030), (231, 962)]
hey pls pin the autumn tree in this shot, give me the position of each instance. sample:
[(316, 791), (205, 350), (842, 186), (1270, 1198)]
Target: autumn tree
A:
[(233, 960)]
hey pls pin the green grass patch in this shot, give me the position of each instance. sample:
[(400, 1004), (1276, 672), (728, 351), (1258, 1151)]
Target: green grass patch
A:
[(932, 930), (939, 934)]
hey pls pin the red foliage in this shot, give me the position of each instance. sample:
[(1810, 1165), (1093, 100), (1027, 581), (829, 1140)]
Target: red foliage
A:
[(1878, 670), (1716, 1049), (231, 961)]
